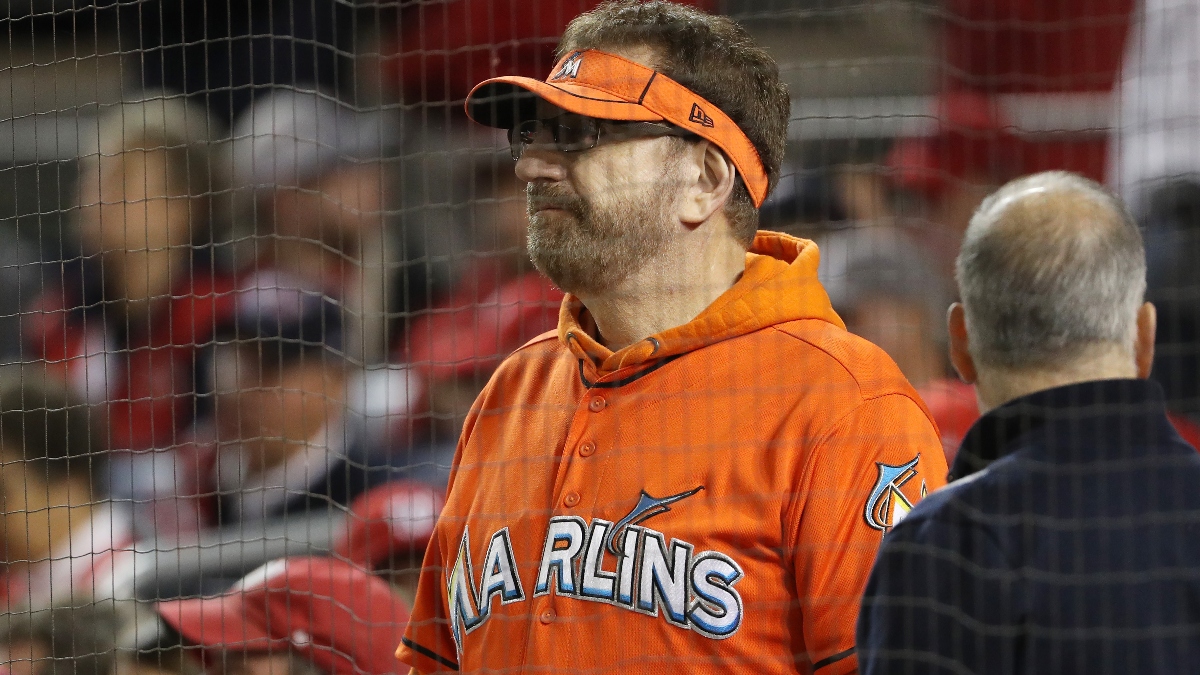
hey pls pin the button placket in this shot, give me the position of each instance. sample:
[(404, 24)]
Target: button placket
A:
[(578, 430), (571, 470)]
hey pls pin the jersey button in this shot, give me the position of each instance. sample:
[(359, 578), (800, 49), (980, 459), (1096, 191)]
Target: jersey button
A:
[(597, 404), (571, 499), (587, 449), (547, 617)]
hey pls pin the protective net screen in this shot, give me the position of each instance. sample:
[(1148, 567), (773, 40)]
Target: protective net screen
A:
[(317, 358)]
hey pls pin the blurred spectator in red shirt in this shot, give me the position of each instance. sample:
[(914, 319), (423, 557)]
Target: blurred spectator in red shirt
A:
[(61, 539), (997, 48), (954, 408), (313, 193), (387, 530), (1042, 48), (122, 323), (452, 353), (293, 612), (297, 429)]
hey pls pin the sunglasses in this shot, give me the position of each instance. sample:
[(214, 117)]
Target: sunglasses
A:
[(575, 133)]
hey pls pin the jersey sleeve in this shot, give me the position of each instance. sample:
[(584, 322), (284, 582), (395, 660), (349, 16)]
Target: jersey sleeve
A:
[(863, 476), (428, 646)]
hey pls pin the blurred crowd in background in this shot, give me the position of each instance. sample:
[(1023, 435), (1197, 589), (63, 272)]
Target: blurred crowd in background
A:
[(259, 300)]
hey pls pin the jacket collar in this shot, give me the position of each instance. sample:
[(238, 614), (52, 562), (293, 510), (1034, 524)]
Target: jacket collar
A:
[(779, 285), (996, 434)]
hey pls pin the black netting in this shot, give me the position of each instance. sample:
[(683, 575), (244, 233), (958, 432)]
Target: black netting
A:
[(297, 368)]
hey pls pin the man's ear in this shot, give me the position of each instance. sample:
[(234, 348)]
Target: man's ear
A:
[(1143, 346), (960, 355), (713, 176)]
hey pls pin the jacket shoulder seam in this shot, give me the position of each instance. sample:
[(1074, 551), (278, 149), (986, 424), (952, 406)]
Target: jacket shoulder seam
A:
[(824, 351), (548, 335), (863, 396)]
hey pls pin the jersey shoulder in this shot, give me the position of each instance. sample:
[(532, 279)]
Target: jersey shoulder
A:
[(544, 347), (525, 372), (842, 355)]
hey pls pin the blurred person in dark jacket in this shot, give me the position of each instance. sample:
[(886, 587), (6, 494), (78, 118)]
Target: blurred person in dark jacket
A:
[(1066, 542), (1156, 167), (287, 440), (890, 292)]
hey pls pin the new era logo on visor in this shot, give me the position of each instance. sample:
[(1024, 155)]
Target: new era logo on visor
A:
[(570, 67), (698, 116)]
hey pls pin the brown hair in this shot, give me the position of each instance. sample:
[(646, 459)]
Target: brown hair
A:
[(714, 57)]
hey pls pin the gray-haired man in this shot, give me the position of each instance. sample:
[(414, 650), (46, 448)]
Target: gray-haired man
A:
[(1068, 542)]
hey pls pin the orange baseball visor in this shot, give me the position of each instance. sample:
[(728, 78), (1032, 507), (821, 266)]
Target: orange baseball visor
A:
[(606, 86)]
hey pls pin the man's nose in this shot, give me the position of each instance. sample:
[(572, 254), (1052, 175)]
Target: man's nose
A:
[(545, 165)]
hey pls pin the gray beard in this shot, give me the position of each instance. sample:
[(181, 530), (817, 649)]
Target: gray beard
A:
[(589, 251)]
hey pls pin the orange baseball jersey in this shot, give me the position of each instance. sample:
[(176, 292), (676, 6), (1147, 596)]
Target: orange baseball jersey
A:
[(710, 498)]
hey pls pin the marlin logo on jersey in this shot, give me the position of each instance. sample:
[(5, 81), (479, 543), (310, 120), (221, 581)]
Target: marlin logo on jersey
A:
[(647, 507), (570, 67), (621, 564), (887, 505)]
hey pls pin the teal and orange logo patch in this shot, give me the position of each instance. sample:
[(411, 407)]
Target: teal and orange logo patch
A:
[(887, 504)]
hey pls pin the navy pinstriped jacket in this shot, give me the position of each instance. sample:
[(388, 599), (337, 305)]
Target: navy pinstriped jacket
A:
[(1069, 543)]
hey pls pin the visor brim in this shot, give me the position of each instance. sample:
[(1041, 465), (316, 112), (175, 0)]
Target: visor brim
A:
[(504, 102), (217, 623)]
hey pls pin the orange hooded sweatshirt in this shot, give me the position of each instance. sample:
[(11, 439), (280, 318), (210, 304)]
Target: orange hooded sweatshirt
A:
[(709, 499)]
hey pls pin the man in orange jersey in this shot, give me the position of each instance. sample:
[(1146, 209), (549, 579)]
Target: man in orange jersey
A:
[(694, 472)]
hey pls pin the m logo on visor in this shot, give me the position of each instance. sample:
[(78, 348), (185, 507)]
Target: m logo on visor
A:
[(698, 115), (570, 67)]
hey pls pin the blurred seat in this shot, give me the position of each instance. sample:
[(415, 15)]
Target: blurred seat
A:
[(1038, 47), (445, 47)]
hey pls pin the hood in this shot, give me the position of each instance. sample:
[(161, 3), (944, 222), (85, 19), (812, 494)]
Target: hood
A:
[(779, 285)]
